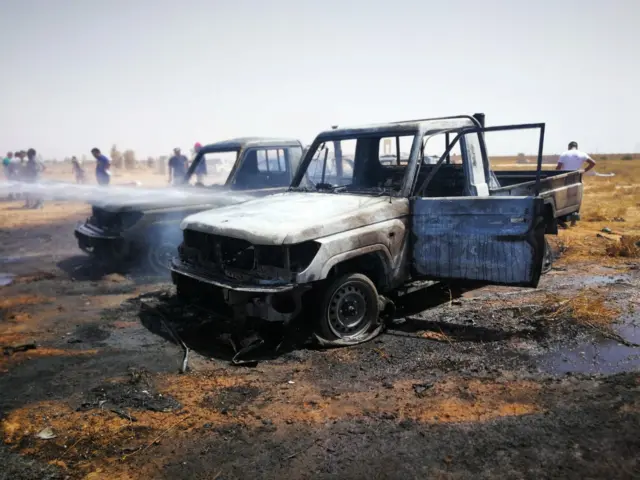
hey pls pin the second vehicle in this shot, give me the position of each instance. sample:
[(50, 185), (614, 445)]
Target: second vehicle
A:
[(147, 231)]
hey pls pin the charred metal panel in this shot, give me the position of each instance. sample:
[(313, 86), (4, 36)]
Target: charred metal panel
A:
[(484, 239)]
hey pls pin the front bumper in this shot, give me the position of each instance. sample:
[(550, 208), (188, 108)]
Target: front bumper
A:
[(179, 267), (232, 299), (92, 239)]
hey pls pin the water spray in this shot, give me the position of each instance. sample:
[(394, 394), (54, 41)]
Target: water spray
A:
[(120, 195)]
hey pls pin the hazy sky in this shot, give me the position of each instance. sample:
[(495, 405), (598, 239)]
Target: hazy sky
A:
[(154, 74)]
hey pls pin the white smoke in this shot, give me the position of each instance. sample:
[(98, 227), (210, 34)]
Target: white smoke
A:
[(119, 195)]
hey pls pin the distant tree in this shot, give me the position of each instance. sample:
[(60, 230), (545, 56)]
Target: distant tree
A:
[(162, 164), (129, 159), (627, 157), (116, 157)]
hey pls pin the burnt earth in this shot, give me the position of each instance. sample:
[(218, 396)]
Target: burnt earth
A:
[(486, 383)]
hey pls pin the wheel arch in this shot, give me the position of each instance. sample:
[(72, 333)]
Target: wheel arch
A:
[(373, 261)]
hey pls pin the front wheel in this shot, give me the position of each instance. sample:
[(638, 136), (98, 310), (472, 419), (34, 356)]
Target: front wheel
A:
[(349, 311), (159, 255)]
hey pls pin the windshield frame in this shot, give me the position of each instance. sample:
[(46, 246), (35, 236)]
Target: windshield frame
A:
[(390, 131), (199, 158)]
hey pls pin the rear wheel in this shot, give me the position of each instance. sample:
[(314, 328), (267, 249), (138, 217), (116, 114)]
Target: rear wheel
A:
[(349, 310)]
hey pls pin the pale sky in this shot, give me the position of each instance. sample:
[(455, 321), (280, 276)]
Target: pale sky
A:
[(154, 74)]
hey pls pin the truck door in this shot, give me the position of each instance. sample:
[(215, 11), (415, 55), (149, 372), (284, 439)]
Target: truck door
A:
[(476, 236)]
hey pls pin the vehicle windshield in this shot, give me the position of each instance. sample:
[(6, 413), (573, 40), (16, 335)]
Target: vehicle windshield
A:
[(368, 164), (213, 168)]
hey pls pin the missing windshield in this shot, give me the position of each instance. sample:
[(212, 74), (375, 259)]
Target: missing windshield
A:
[(213, 168), (369, 163)]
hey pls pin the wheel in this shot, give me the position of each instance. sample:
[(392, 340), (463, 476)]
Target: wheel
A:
[(547, 261), (349, 310), (159, 256)]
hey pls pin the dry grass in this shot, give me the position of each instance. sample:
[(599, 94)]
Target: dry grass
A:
[(612, 203), (588, 307), (22, 301), (628, 246)]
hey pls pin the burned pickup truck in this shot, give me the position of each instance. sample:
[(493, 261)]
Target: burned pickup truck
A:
[(146, 230), (346, 240)]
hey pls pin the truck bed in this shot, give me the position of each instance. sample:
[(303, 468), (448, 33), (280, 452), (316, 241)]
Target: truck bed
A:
[(561, 189)]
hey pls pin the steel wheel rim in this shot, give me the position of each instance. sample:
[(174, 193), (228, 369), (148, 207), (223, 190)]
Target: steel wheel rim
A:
[(347, 313)]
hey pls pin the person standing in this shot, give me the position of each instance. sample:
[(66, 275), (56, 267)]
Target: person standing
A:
[(574, 159), (32, 171), (178, 165), (103, 174), (6, 165), (78, 171), (201, 168)]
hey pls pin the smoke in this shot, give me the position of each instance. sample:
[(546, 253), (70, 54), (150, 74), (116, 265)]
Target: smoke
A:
[(165, 207), (121, 196)]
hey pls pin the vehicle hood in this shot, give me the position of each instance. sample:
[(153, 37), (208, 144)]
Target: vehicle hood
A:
[(169, 199), (295, 217)]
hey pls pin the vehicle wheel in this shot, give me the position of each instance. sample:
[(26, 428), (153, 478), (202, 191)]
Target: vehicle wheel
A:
[(547, 261), (349, 310), (159, 255)]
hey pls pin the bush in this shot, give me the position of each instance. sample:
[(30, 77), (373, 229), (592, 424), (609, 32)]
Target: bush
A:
[(627, 157), (116, 157), (129, 159)]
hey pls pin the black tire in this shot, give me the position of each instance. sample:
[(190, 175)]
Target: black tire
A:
[(349, 310), (158, 256), (547, 261)]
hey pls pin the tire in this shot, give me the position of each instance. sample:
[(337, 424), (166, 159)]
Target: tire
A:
[(349, 310), (158, 256), (547, 261)]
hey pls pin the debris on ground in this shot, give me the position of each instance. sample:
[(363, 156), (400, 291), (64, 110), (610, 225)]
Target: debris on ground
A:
[(10, 350), (173, 333), (420, 389), (137, 393), (46, 434)]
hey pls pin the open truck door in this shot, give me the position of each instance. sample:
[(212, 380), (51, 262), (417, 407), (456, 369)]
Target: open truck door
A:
[(476, 236)]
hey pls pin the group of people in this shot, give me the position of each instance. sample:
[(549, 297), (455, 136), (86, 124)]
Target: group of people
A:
[(103, 168), (24, 166), (179, 165)]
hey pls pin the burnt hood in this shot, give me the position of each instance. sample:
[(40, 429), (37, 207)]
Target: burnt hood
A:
[(295, 217)]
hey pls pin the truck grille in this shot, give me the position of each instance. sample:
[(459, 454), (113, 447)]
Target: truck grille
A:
[(221, 251), (104, 219)]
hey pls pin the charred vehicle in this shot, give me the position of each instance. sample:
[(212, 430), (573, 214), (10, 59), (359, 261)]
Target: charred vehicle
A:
[(348, 238), (147, 229)]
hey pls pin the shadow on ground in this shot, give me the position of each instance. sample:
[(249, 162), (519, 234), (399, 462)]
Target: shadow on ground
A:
[(214, 336)]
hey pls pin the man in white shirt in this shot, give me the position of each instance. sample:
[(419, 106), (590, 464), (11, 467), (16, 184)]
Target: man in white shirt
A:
[(574, 159)]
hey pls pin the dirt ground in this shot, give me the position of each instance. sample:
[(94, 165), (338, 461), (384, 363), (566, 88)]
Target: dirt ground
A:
[(465, 383)]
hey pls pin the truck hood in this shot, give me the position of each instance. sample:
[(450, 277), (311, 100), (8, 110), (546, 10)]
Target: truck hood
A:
[(295, 217), (170, 199)]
